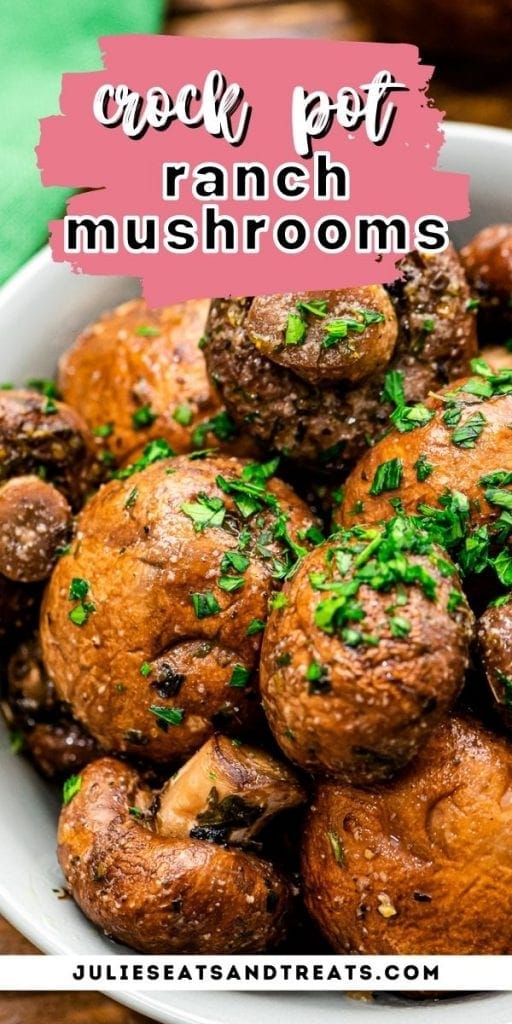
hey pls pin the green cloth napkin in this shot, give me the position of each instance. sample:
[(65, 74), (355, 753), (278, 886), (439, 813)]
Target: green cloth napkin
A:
[(41, 39)]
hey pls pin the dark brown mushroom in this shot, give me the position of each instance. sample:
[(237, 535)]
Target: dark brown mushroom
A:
[(147, 882), (366, 652), (421, 865), (35, 523)]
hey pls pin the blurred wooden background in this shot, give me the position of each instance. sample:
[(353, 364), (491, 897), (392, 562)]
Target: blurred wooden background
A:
[(463, 98), (471, 94)]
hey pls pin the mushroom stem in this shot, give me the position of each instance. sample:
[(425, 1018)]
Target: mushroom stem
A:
[(225, 792)]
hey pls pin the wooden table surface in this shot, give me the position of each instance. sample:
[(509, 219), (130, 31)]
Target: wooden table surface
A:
[(486, 102)]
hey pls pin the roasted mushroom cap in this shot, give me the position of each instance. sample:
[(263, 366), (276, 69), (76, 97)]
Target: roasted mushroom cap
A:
[(151, 625), (366, 652), (320, 397), (41, 436), (35, 522), (457, 441), (423, 864), (487, 260), (157, 893), (139, 373), (325, 336)]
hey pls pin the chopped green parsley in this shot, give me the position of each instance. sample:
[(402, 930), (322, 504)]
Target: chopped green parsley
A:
[(71, 787), (143, 417), (205, 604), (388, 476)]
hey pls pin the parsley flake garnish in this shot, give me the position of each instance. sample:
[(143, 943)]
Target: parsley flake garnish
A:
[(295, 330), (104, 430), (455, 598), (388, 476), (143, 417), (135, 812), (71, 787), (221, 425), (393, 390), (318, 677), (205, 604), (423, 468), (466, 435), (44, 385), (410, 417), (452, 415), (339, 328), (171, 716), (317, 307), (78, 589), (255, 626), (234, 560), (153, 452), (205, 511), (239, 677), (132, 498), (231, 583), (144, 331), (80, 614), (337, 848), (399, 626), (183, 414)]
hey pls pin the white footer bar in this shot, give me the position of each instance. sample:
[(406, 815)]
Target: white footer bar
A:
[(255, 973)]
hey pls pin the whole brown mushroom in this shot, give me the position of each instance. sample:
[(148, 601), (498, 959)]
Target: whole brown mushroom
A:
[(35, 523), (459, 440), (44, 437), (421, 865), (304, 374), (345, 335), (137, 374), (47, 466), (151, 626), (148, 882), (365, 653)]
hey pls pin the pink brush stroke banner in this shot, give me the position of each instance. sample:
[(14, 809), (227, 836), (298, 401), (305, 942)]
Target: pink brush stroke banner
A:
[(124, 174)]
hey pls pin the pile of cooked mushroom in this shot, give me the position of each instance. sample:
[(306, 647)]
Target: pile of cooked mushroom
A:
[(256, 613)]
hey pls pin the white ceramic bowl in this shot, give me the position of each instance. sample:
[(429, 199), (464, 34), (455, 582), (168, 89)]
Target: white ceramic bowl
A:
[(41, 309)]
